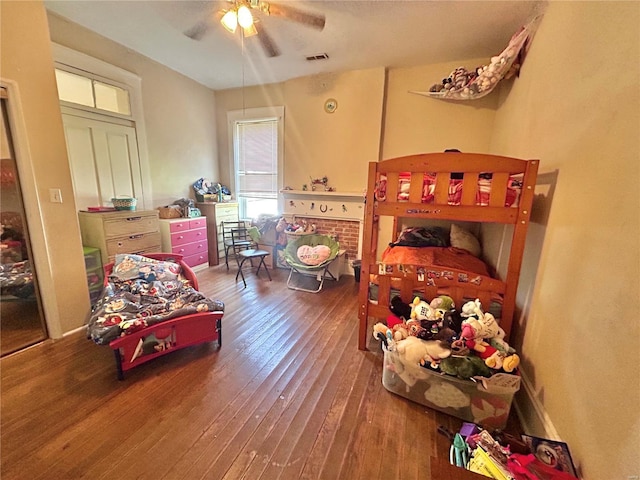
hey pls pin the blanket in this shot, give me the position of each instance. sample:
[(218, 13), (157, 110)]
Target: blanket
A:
[(129, 305), (17, 279)]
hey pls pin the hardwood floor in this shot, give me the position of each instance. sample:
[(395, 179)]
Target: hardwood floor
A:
[(288, 396), (20, 325)]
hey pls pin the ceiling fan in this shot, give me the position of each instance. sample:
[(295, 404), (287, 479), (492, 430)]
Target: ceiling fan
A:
[(249, 14)]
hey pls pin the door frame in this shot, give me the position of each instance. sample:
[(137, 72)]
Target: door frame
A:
[(66, 57), (31, 205)]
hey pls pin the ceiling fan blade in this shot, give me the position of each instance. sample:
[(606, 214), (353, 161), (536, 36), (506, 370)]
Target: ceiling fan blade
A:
[(197, 31), (314, 20), (270, 48)]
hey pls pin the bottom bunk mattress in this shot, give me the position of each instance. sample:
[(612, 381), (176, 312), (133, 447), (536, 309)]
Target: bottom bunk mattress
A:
[(434, 262), (142, 292)]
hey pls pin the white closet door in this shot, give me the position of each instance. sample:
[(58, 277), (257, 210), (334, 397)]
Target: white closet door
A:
[(104, 161)]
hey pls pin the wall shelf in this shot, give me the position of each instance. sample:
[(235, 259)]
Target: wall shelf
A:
[(322, 193)]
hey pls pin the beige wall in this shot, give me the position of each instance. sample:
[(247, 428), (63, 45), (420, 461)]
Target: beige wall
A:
[(317, 143), (236, 99), (340, 144), (418, 124), (26, 63), (576, 107), (179, 113)]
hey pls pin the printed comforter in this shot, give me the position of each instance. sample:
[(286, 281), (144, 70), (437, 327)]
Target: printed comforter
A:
[(127, 306), (17, 279)]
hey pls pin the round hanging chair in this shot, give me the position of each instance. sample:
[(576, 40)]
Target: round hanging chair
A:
[(298, 266)]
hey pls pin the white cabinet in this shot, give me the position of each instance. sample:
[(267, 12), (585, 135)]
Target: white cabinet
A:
[(186, 237)]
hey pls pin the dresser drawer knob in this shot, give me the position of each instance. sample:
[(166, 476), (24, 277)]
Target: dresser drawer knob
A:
[(133, 219)]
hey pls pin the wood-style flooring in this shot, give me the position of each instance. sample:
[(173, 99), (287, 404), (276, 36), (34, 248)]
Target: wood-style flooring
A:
[(287, 396), (20, 324)]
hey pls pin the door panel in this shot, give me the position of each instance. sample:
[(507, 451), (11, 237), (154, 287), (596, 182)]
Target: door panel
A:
[(104, 161), (21, 309), (85, 181)]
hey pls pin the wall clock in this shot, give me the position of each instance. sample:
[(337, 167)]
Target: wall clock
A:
[(330, 105)]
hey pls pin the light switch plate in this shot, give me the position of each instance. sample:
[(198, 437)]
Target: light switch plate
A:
[(55, 195)]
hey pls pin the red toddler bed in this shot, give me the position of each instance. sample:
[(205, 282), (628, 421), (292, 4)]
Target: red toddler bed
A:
[(151, 306)]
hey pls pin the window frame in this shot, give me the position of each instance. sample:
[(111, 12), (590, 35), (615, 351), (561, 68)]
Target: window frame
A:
[(256, 115)]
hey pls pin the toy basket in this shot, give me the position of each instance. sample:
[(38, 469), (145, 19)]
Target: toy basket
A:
[(124, 203)]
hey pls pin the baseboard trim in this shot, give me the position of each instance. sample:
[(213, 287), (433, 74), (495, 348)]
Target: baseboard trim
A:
[(538, 423), (74, 331)]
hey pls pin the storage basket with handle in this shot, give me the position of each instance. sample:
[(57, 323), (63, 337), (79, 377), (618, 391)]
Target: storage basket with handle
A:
[(124, 203)]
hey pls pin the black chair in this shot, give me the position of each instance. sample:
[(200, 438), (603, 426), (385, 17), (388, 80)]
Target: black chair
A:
[(235, 242), (252, 254)]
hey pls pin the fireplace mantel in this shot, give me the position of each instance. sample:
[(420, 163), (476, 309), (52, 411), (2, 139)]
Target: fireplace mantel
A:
[(323, 204), (322, 193)]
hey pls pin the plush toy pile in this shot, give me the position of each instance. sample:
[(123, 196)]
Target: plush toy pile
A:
[(465, 344), (463, 84)]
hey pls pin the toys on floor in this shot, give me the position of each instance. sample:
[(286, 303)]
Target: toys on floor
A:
[(505, 457)]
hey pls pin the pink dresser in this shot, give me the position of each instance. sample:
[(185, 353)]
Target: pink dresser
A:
[(188, 237)]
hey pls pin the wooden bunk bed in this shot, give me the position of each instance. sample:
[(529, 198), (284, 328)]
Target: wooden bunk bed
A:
[(453, 186)]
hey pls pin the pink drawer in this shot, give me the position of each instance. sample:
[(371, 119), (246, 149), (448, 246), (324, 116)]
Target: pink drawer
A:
[(191, 248), (180, 226), (189, 236), (197, 223), (198, 259)]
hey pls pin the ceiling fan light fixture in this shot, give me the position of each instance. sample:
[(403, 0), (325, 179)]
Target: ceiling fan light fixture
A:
[(250, 31), (245, 19), (230, 21)]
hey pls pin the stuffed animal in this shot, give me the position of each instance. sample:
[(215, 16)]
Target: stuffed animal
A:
[(484, 323), (414, 351), (397, 327), (400, 308), (421, 310), (452, 320), (499, 343), (443, 302), (470, 308), (492, 357), (465, 367)]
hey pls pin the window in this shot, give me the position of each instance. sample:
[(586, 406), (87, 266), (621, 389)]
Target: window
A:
[(257, 153), (92, 93)]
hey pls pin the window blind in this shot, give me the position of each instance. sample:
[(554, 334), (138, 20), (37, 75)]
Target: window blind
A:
[(257, 151)]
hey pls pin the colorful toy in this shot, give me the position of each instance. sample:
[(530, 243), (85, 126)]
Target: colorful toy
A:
[(421, 310), (492, 357)]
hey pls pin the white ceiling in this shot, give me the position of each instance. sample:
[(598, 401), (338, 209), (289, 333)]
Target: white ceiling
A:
[(357, 35)]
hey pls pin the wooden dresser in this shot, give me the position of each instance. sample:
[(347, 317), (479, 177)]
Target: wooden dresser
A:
[(120, 232), (216, 213), (188, 237)]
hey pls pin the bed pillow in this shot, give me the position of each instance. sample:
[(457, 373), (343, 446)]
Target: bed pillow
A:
[(313, 255), (461, 238), (131, 266), (422, 237)]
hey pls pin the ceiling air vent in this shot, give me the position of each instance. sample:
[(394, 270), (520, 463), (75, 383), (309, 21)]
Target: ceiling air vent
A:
[(320, 56)]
